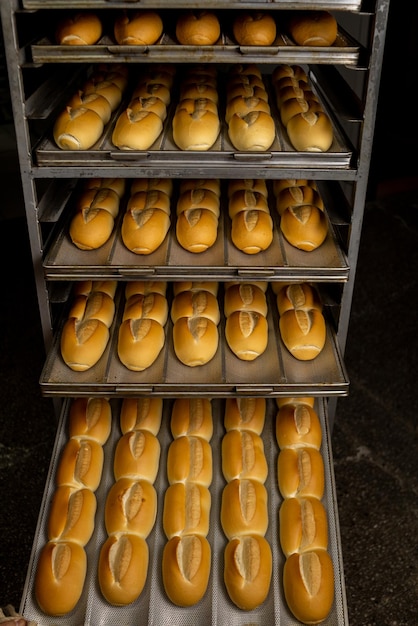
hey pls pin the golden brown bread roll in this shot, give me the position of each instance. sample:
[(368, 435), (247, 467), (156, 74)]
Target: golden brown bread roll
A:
[(80, 464), (145, 287), (105, 87), (140, 28), (123, 568), (141, 414), (313, 28), (136, 130), (248, 565), (254, 28), (254, 132), (246, 333), (94, 101), (252, 231), (148, 104), (245, 297), (83, 28), (91, 226), (280, 184), (195, 285), (288, 70), (152, 184), (205, 184), (195, 340), (198, 198), (244, 508), (118, 185), (308, 400), (186, 566), (147, 89), (303, 525), (197, 230), (137, 455), (298, 425), (245, 414), (189, 459), (192, 417), (144, 230), (308, 581), (243, 456), (310, 132), (257, 185), (301, 296), (247, 200), (131, 507), (77, 128), (90, 418), (88, 287), (186, 510), (294, 106), (240, 105), (195, 304), (305, 227), (197, 130), (198, 28), (298, 195), (60, 575), (300, 472), (303, 333), (97, 305), (140, 341), (151, 306), (71, 514)]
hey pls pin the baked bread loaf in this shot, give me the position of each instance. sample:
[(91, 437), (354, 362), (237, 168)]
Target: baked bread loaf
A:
[(136, 130), (195, 285), (118, 185), (298, 425), (198, 198), (305, 227), (254, 132), (298, 195), (308, 400), (94, 218), (186, 510), (245, 414), (246, 200), (152, 184), (192, 417), (308, 582), (252, 231), (197, 130), (140, 28), (301, 296), (256, 185), (143, 413), (245, 297), (145, 287), (248, 566), (303, 525), (144, 230), (244, 508), (310, 132), (186, 566), (90, 418), (198, 28), (81, 464), (313, 28), (246, 333), (195, 304), (106, 87), (300, 472), (83, 28), (195, 340), (77, 128), (189, 459), (197, 230), (140, 341), (303, 333), (94, 101), (71, 515), (152, 306), (254, 28), (137, 455), (243, 456), (131, 507)]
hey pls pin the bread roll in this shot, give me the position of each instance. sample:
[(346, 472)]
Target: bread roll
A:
[(148, 104), (59, 579), (90, 418), (280, 184), (302, 296), (123, 568), (246, 333), (140, 341), (145, 287), (195, 340), (303, 525), (198, 198), (205, 184), (91, 228), (300, 472), (144, 230), (298, 195), (71, 514), (118, 185), (242, 106), (248, 566), (147, 89), (94, 101), (152, 184), (189, 458), (246, 200), (261, 284), (140, 28), (152, 306), (313, 28), (141, 414), (309, 401), (83, 28), (88, 287), (297, 105), (195, 285), (97, 305), (198, 28), (192, 417), (243, 456), (303, 333), (201, 93), (131, 507), (245, 69), (244, 508), (246, 90), (197, 230), (195, 304), (310, 132), (80, 464), (77, 128), (288, 70), (195, 131), (186, 510), (298, 425), (137, 455), (110, 90), (245, 414), (254, 132), (254, 28), (136, 130), (304, 227), (186, 566), (245, 297), (252, 231), (256, 185), (308, 582)]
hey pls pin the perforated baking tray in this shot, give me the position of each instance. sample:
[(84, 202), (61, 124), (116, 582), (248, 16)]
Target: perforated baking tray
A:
[(152, 607)]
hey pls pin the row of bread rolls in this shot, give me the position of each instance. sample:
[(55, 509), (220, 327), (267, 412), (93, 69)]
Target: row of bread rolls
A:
[(96, 208), (251, 221), (85, 333), (147, 218), (141, 335), (81, 124), (301, 321), (308, 573), (186, 559), (246, 326), (198, 211), (195, 315), (141, 122), (131, 502), (307, 125), (244, 503), (62, 565), (302, 213), (196, 124), (251, 126)]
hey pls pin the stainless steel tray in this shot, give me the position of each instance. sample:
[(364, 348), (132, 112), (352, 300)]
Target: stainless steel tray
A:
[(274, 373), (153, 607)]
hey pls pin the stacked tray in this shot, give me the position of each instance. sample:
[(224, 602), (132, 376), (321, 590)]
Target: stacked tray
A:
[(153, 607)]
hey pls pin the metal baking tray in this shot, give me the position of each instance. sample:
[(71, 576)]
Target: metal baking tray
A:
[(152, 607), (274, 373), (345, 51), (223, 261)]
